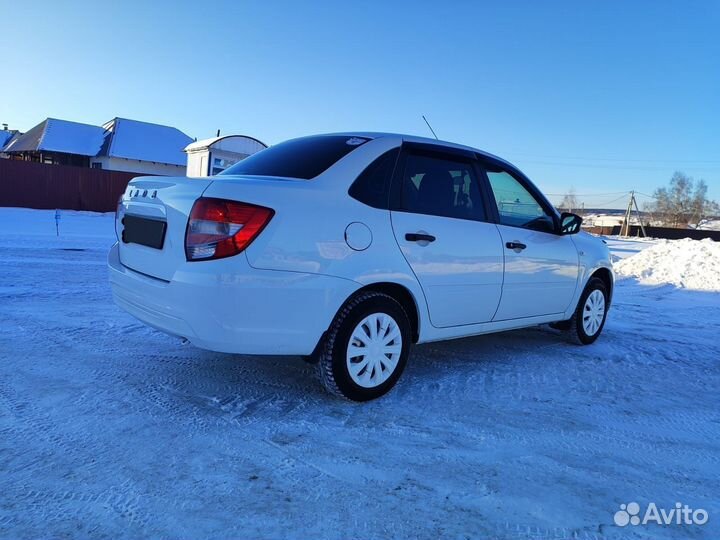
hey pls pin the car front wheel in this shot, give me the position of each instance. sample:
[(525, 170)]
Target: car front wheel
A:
[(366, 347), (589, 318)]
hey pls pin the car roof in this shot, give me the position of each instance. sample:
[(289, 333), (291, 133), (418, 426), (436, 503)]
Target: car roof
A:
[(417, 139), (437, 142)]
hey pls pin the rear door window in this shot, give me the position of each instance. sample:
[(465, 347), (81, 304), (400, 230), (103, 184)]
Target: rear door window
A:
[(441, 186), (303, 158)]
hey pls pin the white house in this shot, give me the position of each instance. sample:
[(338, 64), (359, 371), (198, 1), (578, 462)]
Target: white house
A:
[(212, 156), (142, 147)]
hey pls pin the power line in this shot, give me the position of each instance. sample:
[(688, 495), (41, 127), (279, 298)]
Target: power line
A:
[(620, 160), (587, 194), (607, 202), (614, 167)]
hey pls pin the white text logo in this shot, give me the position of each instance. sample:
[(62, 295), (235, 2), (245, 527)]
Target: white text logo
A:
[(680, 514)]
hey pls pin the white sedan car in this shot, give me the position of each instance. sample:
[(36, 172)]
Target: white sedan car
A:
[(349, 248)]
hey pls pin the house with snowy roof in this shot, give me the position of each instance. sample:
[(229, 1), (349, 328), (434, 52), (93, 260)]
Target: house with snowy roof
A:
[(6, 135), (134, 146), (119, 145)]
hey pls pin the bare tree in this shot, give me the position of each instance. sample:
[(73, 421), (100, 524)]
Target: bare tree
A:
[(570, 202), (683, 202)]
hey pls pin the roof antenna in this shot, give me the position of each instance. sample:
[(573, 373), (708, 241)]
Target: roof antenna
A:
[(218, 133), (428, 125)]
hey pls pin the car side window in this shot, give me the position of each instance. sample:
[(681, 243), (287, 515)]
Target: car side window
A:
[(516, 205), (441, 186), (372, 185)]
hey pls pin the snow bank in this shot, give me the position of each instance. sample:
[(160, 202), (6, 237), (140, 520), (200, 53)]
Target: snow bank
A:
[(692, 264), (30, 222), (709, 225)]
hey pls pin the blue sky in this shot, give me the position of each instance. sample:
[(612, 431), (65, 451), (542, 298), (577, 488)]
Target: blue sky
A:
[(603, 97)]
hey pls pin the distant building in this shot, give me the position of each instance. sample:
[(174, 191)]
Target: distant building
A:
[(57, 142), (120, 145), (7, 134), (212, 156), (142, 147)]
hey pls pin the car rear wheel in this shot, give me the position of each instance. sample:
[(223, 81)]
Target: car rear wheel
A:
[(588, 320), (366, 347)]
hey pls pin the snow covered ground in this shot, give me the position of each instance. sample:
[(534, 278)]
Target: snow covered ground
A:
[(692, 264), (111, 430)]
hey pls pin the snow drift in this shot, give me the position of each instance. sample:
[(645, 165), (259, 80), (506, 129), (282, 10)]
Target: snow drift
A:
[(692, 264)]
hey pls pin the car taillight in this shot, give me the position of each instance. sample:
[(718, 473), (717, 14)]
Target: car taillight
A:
[(218, 228), (119, 208), (119, 215)]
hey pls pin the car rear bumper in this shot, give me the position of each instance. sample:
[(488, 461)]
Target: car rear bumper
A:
[(228, 306)]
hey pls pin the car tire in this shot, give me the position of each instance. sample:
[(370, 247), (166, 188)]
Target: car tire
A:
[(376, 327), (588, 321)]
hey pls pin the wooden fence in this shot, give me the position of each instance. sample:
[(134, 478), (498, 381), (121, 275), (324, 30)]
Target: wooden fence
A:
[(38, 185), (657, 232)]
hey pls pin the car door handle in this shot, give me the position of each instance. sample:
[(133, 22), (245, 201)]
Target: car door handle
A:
[(515, 245), (419, 237)]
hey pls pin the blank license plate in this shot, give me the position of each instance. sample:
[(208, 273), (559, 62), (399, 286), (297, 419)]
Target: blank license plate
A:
[(144, 231)]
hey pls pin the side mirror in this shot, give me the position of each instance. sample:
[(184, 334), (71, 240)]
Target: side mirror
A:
[(570, 223)]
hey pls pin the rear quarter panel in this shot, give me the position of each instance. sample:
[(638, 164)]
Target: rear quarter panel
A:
[(307, 233)]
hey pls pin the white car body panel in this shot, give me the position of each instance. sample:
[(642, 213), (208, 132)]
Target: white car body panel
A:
[(593, 255), (227, 306), (539, 280), (179, 196), (281, 294), (461, 272)]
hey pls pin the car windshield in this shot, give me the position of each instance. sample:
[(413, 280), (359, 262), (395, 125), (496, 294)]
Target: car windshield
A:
[(298, 158)]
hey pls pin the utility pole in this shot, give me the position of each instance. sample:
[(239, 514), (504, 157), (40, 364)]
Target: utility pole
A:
[(626, 224), (642, 227), (628, 213)]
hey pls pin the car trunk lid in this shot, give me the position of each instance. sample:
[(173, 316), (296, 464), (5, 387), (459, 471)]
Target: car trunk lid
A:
[(151, 223)]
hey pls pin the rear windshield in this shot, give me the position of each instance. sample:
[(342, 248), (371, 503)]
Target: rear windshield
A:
[(299, 158)]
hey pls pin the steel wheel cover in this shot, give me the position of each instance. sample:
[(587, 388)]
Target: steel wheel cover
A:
[(593, 312), (374, 350)]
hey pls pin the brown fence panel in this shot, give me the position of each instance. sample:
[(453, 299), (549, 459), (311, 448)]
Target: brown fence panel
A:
[(668, 233), (602, 230), (37, 185)]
